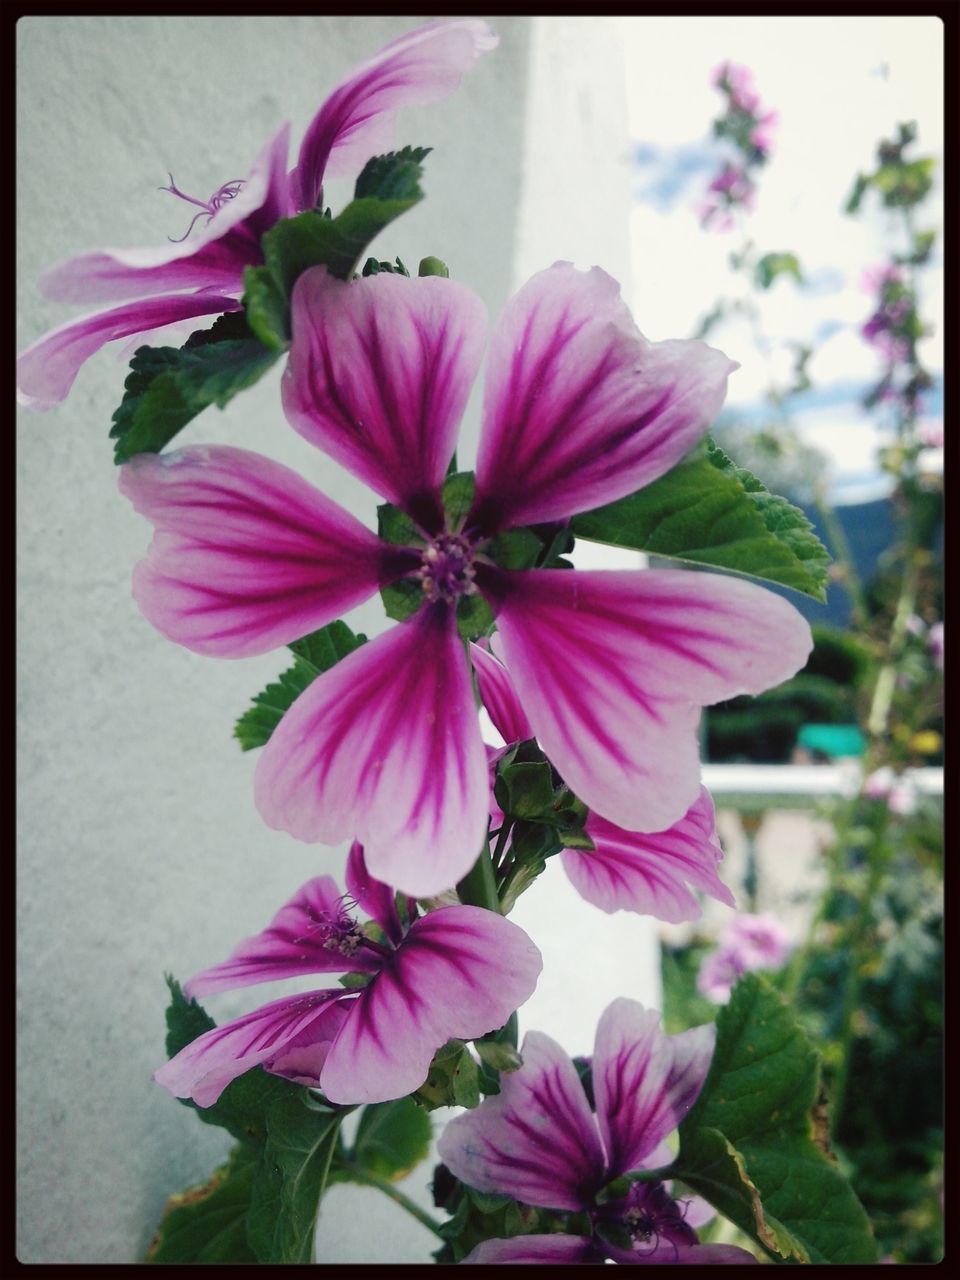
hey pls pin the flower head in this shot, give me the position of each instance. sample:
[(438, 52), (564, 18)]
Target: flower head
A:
[(539, 1141), (611, 668), (455, 972), (748, 942), (201, 272)]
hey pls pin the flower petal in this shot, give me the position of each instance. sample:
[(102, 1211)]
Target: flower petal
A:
[(459, 973), (579, 408), (667, 1253), (386, 747), (212, 258), (371, 895), (536, 1140), (613, 666), (47, 369), (206, 1066), (553, 1248), (644, 1081), (301, 938), (648, 873), (498, 695), (247, 556), (356, 121), (378, 376)]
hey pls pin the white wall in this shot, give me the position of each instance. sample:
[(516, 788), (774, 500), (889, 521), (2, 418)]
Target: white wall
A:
[(140, 848)]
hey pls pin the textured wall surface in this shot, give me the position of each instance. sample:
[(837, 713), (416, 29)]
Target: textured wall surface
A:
[(141, 851)]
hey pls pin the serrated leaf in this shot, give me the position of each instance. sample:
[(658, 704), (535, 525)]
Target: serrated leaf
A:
[(167, 387), (395, 176), (313, 654), (392, 1138), (709, 511), (751, 1134), (208, 1223), (291, 1178)]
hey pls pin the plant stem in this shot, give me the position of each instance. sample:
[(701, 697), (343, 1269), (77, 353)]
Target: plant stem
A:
[(478, 888), (357, 1174)]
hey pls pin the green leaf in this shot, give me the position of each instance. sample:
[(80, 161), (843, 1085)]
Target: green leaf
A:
[(291, 1178), (242, 1107), (402, 599), (515, 549), (474, 617), (396, 527), (526, 790), (266, 307), (167, 387), (709, 511), (453, 1079), (856, 195), (392, 1138), (431, 266), (208, 1223), (772, 265), (395, 176), (751, 1145), (313, 654), (458, 491)]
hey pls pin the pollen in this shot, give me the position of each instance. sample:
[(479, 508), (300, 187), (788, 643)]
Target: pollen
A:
[(447, 571)]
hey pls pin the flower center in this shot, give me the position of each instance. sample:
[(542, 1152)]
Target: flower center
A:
[(339, 933), (446, 571), (651, 1215), (223, 195)]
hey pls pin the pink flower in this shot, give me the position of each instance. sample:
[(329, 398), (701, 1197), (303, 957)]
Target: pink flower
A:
[(455, 972), (731, 188), (611, 668), (650, 873), (749, 942), (761, 135), (539, 1141), (935, 644), (203, 274)]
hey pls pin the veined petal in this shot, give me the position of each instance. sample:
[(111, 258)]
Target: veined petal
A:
[(498, 695), (206, 1066), (650, 872), (612, 668), (644, 1081), (372, 895), (378, 376), (459, 973), (213, 257), (579, 408), (356, 121), (386, 747), (667, 1253), (536, 1140), (307, 935), (47, 369), (552, 1248), (247, 556)]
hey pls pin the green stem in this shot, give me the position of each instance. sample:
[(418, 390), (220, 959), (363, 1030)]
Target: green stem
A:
[(357, 1174), (478, 888)]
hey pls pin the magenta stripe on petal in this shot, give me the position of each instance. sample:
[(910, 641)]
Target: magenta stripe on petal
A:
[(47, 369), (612, 668), (546, 1249), (579, 408), (356, 121), (536, 1140), (459, 973), (386, 748), (644, 1081), (498, 695), (247, 556), (207, 1065), (213, 256), (309, 934), (371, 895), (379, 374), (649, 872)]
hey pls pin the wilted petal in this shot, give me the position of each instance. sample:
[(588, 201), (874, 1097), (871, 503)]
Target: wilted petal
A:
[(356, 121), (213, 256), (579, 408), (536, 1140), (644, 1081), (247, 555), (553, 1248), (309, 934), (378, 376), (47, 369), (612, 668), (386, 747), (371, 895), (498, 695), (206, 1066), (650, 872), (459, 973)]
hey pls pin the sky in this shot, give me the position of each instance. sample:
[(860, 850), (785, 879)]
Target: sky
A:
[(839, 85)]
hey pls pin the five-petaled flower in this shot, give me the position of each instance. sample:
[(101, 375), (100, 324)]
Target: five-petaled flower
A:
[(202, 274), (457, 972), (612, 668), (539, 1141)]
